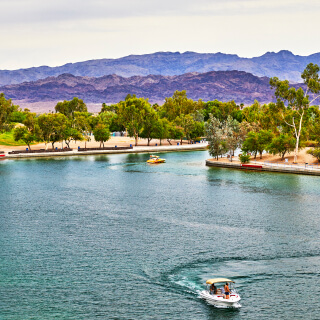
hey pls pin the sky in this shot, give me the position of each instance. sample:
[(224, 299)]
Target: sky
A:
[(55, 32)]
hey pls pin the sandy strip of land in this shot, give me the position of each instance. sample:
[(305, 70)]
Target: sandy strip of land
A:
[(306, 164), (303, 158), (114, 141)]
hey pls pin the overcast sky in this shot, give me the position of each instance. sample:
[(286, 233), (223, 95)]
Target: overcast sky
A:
[(55, 32)]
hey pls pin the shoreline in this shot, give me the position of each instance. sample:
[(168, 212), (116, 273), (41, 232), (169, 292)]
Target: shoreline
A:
[(137, 149), (267, 167)]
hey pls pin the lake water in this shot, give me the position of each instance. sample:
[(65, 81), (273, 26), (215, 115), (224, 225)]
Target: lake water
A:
[(111, 237)]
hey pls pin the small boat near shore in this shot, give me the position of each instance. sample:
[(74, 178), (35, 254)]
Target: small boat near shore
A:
[(155, 159), (217, 297)]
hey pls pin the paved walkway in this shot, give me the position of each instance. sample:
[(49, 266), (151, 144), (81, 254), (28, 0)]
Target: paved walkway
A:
[(144, 149), (269, 166)]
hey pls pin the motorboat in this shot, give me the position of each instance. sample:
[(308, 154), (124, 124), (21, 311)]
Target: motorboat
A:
[(218, 298), (155, 159)]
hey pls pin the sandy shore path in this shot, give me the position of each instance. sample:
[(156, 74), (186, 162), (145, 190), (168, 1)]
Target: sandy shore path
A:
[(114, 141), (303, 159), (120, 142), (306, 164)]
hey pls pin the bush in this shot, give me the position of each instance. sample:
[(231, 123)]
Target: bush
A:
[(315, 152), (17, 117), (311, 143), (244, 157)]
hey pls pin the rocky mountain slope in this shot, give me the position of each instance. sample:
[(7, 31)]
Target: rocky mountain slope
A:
[(283, 64), (222, 85)]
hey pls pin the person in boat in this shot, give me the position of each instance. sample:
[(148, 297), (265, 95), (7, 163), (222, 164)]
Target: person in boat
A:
[(213, 289), (226, 291)]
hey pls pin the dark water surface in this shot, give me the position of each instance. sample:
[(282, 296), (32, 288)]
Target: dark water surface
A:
[(111, 237)]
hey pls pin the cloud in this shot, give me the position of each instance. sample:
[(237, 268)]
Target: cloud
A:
[(39, 11), (56, 32)]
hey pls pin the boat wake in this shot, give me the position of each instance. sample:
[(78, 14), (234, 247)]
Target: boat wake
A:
[(190, 285), (251, 275)]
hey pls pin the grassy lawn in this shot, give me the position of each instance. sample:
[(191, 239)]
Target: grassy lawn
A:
[(6, 139)]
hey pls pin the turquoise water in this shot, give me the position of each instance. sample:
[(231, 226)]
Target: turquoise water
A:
[(111, 237)]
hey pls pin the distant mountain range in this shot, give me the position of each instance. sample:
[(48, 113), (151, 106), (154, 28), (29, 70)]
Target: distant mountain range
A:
[(240, 86), (283, 64)]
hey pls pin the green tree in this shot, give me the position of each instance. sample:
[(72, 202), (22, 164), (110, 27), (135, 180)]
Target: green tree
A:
[(257, 142), (115, 124), (101, 133), (23, 134), (150, 123), (106, 118), (17, 116), (315, 152), (313, 124), (52, 127), (198, 130), (192, 129), (68, 108), (264, 139), (71, 134), (132, 115), (214, 134), (297, 100), (251, 144), (175, 133), (82, 123), (179, 105), (30, 131), (109, 108), (232, 135), (253, 114), (266, 117), (282, 144), (30, 121), (162, 129), (186, 122), (221, 110), (7, 108)]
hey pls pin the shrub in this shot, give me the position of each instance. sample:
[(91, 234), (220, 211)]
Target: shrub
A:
[(244, 157), (17, 117), (315, 152), (311, 143)]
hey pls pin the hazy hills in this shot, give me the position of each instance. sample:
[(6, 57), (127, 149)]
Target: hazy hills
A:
[(283, 64), (222, 85)]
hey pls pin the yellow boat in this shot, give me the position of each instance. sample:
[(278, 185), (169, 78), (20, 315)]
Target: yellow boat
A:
[(155, 159)]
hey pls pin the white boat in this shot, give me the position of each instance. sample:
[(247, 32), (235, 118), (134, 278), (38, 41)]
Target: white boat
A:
[(218, 298)]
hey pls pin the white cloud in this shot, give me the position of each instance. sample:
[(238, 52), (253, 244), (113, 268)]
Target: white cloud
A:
[(32, 11)]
